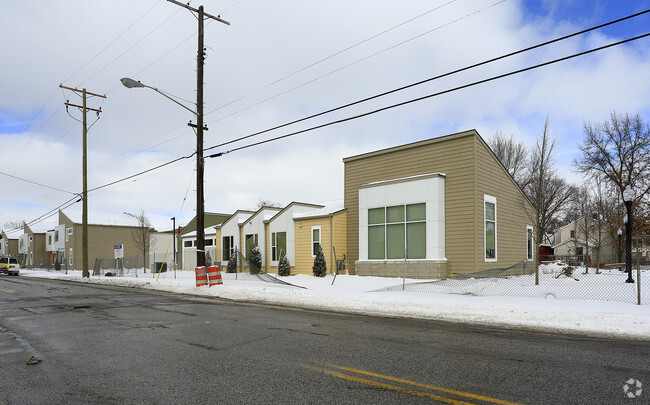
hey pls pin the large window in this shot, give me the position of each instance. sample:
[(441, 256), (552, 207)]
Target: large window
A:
[(278, 245), (397, 232), (490, 209), (70, 256), (228, 247), (315, 240)]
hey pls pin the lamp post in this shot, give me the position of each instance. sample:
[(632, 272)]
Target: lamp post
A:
[(628, 198), (619, 232), (200, 231)]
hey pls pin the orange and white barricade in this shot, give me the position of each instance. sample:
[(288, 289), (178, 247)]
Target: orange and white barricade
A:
[(201, 276), (214, 276)]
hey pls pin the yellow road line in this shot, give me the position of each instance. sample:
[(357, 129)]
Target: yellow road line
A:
[(431, 387), (390, 387)]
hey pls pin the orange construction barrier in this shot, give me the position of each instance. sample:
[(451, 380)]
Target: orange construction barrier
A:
[(214, 276), (201, 276)]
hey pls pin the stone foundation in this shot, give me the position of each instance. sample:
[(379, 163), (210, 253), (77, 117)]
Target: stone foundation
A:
[(425, 269)]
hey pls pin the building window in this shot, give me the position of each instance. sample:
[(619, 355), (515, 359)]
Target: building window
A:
[(228, 247), (397, 232), (56, 236), (49, 240), (580, 251), (187, 244), (250, 240), (68, 232), (573, 234), (490, 210), (31, 239), (278, 245), (529, 242), (315, 240), (209, 242), (70, 256)]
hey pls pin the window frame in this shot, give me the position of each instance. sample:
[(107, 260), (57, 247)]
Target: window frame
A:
[(320, 238), (488, 199), (227, 249), (392, 223), (70, 257)]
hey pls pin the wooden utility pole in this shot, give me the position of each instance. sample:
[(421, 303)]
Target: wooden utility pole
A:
[(200, 227), (84, 169)]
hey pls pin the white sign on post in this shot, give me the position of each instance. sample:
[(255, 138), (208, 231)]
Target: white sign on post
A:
[(119, 251)]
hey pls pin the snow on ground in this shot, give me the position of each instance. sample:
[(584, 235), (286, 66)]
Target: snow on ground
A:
[(544, 309)]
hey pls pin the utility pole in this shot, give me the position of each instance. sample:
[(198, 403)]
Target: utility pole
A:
[(84, 169), (200, 228)]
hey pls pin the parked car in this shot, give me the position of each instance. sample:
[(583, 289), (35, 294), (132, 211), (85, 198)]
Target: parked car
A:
[(9, 265)]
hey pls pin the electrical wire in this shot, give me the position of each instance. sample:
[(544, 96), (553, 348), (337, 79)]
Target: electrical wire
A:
[(36, 183), (485, 62), (514, 72), (130, 48), (111, 43), (320, 61)]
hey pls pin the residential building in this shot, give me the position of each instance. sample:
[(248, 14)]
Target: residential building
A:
[(8, 246), (434, 209)]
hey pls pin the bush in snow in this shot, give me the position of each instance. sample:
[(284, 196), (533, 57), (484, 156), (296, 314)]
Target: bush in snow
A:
[(255, 260), (232, 263), (320, 267), (284, 269)]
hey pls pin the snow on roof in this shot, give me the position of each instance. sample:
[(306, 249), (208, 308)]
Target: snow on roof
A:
[(329, 207), (402, 179)]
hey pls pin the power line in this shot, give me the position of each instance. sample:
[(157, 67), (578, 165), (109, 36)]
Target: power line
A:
[(514, 72), (36, 183), (320, 61), (432, 79)]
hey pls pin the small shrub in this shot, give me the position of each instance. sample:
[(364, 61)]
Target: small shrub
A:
[(320, 266), (232, 263), (284, 269), (255, 260)]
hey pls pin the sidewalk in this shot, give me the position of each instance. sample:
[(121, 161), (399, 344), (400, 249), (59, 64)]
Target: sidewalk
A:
[(356, 294)]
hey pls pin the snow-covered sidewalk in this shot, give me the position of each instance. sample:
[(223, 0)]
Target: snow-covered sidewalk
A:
[(356, 294)]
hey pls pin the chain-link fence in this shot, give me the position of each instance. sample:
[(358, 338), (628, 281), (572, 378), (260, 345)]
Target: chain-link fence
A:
[(554, 280), (247, 270)]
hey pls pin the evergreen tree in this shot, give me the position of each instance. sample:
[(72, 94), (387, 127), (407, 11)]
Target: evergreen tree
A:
[(232, 263), (284, 269), (255, 260), (320, 267)]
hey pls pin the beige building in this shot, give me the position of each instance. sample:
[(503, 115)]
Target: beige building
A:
[(433, 209), (8, 246)]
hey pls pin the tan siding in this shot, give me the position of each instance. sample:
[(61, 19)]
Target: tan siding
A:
[(218, 244), (471, 171), (452, 156), (304, 260)]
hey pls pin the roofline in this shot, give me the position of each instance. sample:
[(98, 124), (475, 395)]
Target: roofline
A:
[(411, 145), (291, 204), (232, 216), (320, 216)]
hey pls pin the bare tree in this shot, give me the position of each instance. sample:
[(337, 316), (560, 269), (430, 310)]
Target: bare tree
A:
[(142, 237), (513, 155), (13, 225), (547, 191), (267, 203), (620, 150)]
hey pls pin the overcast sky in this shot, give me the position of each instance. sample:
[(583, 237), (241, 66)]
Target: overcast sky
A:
[(280, 61)]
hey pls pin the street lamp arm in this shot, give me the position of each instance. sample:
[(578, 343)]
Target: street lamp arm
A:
[(130, 84)]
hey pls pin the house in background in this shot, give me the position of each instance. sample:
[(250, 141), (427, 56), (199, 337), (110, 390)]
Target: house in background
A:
[(436, 208), (105, 230), (210, 219), (31, 244), (8, 246), (580, 241)]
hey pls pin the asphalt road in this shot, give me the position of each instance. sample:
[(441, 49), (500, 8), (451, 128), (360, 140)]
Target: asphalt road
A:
[(109, 345)]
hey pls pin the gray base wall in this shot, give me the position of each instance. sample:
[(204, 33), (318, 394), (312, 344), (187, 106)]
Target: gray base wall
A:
[(425, 269)]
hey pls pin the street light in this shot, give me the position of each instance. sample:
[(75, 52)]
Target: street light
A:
[(200, 230), (628, 198)]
